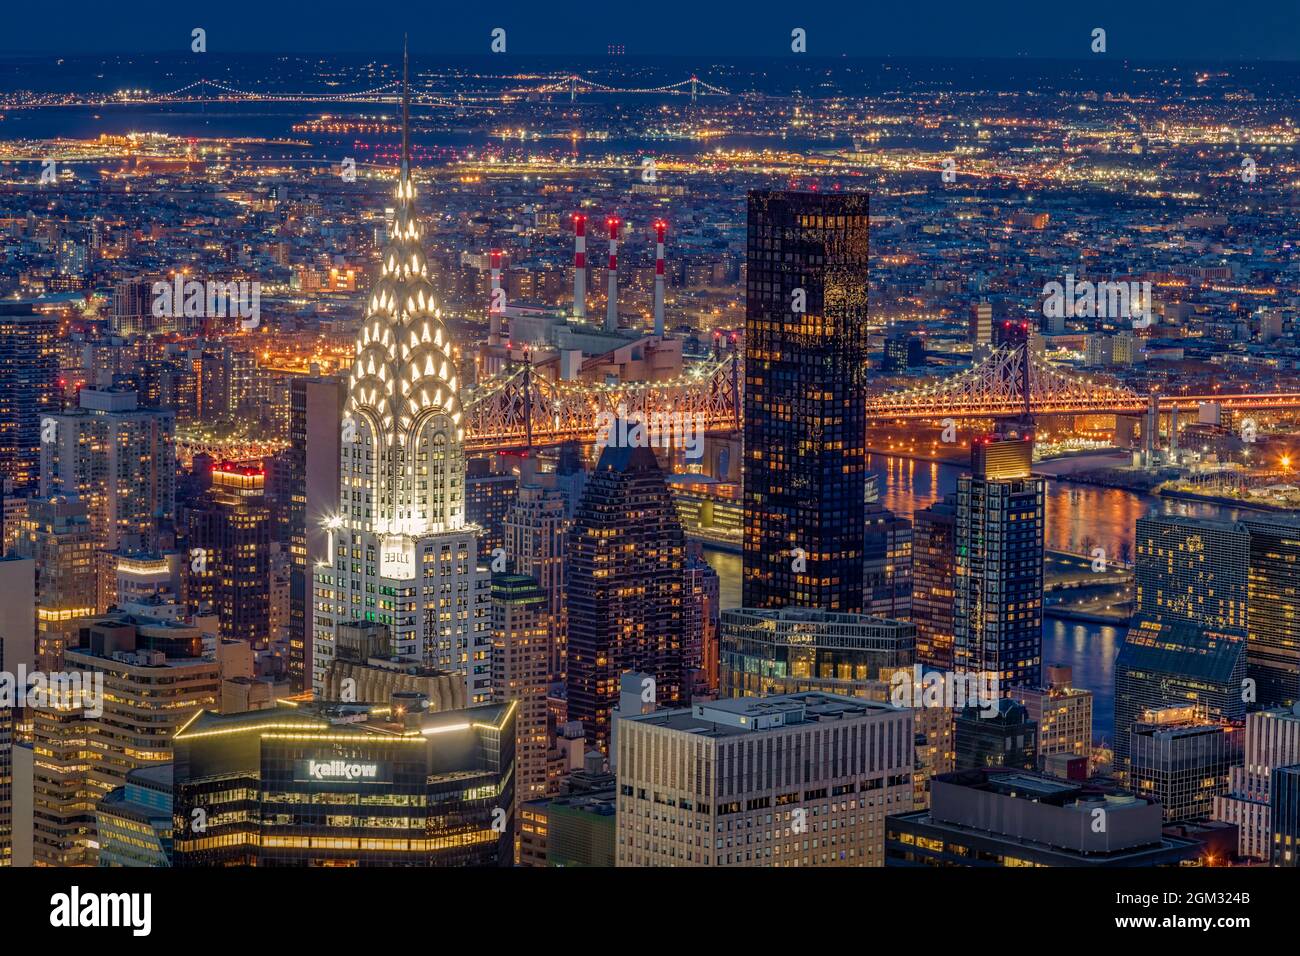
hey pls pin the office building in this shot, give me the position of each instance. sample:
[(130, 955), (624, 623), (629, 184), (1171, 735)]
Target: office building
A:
[(1272, 741), (625, 558), (490, 493), (411, 787), (1273, 613), (997, 608), (1181, 760), (29, 390), (934, 581), (1010, 818), (229, 543), (1194, 570), (794, 649), (980, 330), (134, 821), (121, 461), (315, 411), (140, 679), (998, 734), (56, 534), (790, 780), (806, 366), (401, 551), (887, 564), (533, 534), (1062, 713), (521, 641), (903, 351), (1285, 812), (1170, 664)]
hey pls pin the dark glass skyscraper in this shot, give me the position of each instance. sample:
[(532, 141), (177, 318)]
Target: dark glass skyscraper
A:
[(1273, 617), (806, 361), (625, 558)]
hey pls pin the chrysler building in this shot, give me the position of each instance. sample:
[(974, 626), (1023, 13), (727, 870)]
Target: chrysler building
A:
[(401, 553)]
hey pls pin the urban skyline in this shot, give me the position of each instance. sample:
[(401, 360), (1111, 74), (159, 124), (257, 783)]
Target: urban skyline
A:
[(639, 461)]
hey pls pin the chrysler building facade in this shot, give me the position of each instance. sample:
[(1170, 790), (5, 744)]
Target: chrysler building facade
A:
[(401, 552)]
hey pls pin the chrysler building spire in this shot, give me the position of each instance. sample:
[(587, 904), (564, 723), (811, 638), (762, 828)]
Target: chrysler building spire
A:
[(402, 390)]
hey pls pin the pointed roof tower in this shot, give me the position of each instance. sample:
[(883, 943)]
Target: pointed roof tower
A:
[(403, 386)]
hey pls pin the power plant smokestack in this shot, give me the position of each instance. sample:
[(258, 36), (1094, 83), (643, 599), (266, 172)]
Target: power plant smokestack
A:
[(579, 265), (660, 228), (611, 307), (496, 301)]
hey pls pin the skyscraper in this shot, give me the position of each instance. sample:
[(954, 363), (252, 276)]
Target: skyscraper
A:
[(1193, 570), (56, 534), (521, 639), (1161, 664), (788, 780), (29, 390), (934, 581), (118, 458), (534, 539), (1272, 741), (1180, 759), (230, 552), (402, 553), (625, 557), (887, 564), (702, 597), (806, 362), (1273, 614), (998, 606), (316, 408)]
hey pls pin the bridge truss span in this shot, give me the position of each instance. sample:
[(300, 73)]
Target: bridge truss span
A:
[(994, 388), (522, 408)]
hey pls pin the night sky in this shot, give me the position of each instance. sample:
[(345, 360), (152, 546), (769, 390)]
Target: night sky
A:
[(1200, 30)]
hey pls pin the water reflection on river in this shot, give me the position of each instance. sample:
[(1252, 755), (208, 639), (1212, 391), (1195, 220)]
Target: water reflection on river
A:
[(1079, 518)]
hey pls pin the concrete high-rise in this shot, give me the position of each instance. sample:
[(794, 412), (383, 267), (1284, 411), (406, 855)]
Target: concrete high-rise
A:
[(121, 460), (792, 780), (534, 536), (806, 362), (1272, 741), (57, 535)]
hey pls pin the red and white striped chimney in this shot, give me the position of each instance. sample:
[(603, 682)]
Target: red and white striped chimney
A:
[(611, 306), (660, 228), (579, 265), (496, 301)]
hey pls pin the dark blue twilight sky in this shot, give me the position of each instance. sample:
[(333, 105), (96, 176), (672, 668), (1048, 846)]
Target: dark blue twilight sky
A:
[(1141, 29)]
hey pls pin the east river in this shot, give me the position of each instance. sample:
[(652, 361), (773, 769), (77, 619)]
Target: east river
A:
[(1079, 518)]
